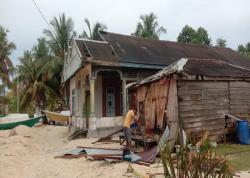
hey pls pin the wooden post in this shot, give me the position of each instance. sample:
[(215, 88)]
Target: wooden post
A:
[(124, 96), (83, 97), (92, 97)]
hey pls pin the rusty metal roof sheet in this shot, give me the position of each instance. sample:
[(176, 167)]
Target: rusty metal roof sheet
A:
[(149, 156), (157, 52), (200, 67)]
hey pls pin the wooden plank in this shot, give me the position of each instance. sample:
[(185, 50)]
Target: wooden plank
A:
[(204, 112), (240, 102), (241, 110), (141, 93), (190, 98), (172, 113), (203, 84), (197, 87), (202, 118), (223, 101), (239, 106), (189, 92), (210, 128), (192, 108), (201, 98), (162, 97), (239, 84), (240, 92), (239, 89), (239, 97), (202, 92), (205, 124)]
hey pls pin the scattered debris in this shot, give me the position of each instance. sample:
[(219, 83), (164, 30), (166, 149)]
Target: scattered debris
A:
[(132, 157), (130, 169), (78, 134), (149, 156), (108, 137), (163, 140), (92, 153)]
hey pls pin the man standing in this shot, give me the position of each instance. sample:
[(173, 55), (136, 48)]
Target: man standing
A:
[(130, 117)]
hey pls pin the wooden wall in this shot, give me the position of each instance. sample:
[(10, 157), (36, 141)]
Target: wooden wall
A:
[(240, 99), (155, 97), (203, 104), (158, 97)]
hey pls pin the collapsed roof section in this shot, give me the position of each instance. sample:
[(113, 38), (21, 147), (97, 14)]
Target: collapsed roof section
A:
[(97, 50), (200, 67)]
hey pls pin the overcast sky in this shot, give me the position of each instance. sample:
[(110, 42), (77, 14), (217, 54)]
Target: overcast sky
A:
[(229, 19)]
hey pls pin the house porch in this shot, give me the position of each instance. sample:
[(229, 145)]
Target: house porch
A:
[(98, 99)]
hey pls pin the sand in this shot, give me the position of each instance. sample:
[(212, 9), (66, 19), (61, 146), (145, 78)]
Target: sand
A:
[(29, 153)]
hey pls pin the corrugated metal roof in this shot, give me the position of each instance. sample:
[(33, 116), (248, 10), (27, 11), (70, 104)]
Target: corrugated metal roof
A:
[(149, 156), (200, 67), (149, 51)]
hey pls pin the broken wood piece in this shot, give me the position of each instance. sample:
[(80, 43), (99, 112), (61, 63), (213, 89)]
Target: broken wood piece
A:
[(108, 136), (77, 134)]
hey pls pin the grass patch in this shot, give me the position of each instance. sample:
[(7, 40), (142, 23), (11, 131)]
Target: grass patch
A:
[(238, 155)]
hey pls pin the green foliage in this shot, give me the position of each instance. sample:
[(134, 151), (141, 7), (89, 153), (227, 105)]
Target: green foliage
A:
[(148, 27), (38, 74), (195, 162), (41, 50), (244, 50), (61, 36), (189, 35), (6, 66), (237, 154), (221, 42), (93, 34)]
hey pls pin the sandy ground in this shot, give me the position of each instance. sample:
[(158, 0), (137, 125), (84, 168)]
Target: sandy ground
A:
[(30, 154)]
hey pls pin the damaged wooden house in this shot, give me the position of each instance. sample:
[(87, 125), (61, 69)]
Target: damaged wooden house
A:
[(96, 74), (195, 93)]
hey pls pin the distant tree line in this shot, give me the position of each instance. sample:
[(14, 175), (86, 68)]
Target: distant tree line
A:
[(38, 76)]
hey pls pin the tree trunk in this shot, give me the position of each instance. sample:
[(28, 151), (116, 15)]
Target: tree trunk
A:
[(38, 107)]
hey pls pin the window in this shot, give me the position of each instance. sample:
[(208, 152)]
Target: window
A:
[(110, 101)]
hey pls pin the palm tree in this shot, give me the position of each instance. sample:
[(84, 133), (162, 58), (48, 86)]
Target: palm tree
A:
[(34, 75), (6, 65), (41, 50), (62, 35), (149, 27), (93, 33)]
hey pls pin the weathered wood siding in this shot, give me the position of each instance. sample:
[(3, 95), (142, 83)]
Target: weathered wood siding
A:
[(240, 99), (155, 97), (203, 105)]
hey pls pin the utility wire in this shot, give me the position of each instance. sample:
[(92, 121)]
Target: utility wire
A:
[(44, 18)]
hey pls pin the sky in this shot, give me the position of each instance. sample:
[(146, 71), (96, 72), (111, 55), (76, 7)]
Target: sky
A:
[(229, 19)]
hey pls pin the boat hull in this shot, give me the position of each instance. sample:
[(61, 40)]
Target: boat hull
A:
[(30, 122), (56, 116)]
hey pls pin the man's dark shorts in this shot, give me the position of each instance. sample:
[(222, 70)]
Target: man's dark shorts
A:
[(127, 134)]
